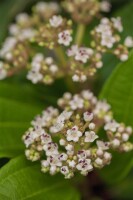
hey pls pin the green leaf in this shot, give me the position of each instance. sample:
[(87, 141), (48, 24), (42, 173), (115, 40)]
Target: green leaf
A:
[(118, 91), (18, 106), (23, 180), (8, 10)]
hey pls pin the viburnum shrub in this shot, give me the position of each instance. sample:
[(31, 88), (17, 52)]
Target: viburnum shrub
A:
[(65, 40)]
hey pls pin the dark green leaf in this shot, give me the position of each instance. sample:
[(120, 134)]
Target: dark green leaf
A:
[(24, 181), (18, 106), (119, 93)]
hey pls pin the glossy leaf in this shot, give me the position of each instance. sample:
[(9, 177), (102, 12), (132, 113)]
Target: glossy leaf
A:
[(118, 91), (24, 181), (18, 106)]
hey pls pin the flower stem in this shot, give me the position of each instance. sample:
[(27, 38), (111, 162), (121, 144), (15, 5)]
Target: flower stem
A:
[(80, 33), (61, 56)]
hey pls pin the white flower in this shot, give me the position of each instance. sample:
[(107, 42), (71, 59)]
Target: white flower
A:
[(34, 76), (62, 142), (22, 18), (117, 24), (107, 40), (53, 68), (49, 60), (63, 157), (128, 42), (88, 116), (92, 126), (87, 94), (73, 50), (81, 154), (46, 138), (101, 107), (99, 161), (64, 170), (3, 72), (56, 21), (58, 126), (116, 143), (26, 33), (123, 57), (54, 161), (111, 126), (107, 156), (105, 6), (7, 47), (72, 163), (90, 136), (83, 54), (73, 134), (65, 115), (69, 147), (84, 165), (64, 38), (102, 145), (44, 163), (51, 149), (75, 78), (76, 102)]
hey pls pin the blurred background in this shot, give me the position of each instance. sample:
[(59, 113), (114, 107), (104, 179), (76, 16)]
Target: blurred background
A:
[(101, 188)]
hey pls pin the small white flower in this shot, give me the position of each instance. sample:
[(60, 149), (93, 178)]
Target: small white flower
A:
[(69, 147), (51, 149), (124, 57), (54, 161), (62, 142), (63, 157), (101, 107), (102, 145), (99, 161), (34, 76), (73, 50), (44, 163), (64, 170), (107, 156), (111, 126), (117, 24), (76, 102), (107, 41), (53, 170), (88, 116), (84, 165), (81, 154), (83, 54), (46, 138), (129, 42), (105, 6), (87, 94), (90, 136), (92, 126), (72, 163), (58, 126), (116, 143), (65, 115), (56, 21), (53, 68), (75, 78), (73, 134), (64, 38), (22, 18)]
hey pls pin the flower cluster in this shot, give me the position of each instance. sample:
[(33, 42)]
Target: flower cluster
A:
[(84, 11), (42, 69), (44, 28), (68, 141)]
